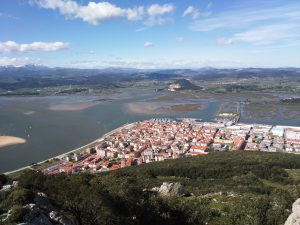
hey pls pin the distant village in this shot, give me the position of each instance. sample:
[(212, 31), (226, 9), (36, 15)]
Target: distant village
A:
[(163, 139)]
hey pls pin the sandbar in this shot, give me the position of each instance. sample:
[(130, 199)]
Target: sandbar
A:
[(72, 106), (76, 105), (182, 107), (10, 140), (142, 108)]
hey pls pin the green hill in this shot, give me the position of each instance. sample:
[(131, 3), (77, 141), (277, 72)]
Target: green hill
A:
[(220, 188), (185, 85)]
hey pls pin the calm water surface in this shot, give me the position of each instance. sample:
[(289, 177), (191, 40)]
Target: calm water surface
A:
[(50, 133)]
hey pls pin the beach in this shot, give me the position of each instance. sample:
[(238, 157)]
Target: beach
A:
[(10, 140)]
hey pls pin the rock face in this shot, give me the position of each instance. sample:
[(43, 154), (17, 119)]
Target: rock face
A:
[(35, 216), (171, 189), (39, 212), (43, 202), (294, 218), (59, 218), (5, 191), (5, 216), (7, 188), (42, 212)]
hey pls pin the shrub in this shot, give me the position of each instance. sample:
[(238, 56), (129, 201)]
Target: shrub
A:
[(3, 180), (21, 196)]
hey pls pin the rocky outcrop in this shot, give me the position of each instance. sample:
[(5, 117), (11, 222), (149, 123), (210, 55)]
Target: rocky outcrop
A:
[(42, 212), (7, 188), (39, 212), (5, 216), (294, 218), (43, 202), (35, 215), (170, 189), (59, 218)]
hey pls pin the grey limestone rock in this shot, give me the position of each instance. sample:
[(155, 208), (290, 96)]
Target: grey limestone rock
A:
[(294, 218), (59, 218), (6, 188), (35, 216), (41, 219), (43, 202), (171, 189)]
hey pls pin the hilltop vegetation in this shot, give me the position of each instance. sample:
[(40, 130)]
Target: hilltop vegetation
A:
[(221, 188), (185, 85)]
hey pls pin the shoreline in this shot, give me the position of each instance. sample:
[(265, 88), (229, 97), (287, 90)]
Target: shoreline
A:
[(98, 140)]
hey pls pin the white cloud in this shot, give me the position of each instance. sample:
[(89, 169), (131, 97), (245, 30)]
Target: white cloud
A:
[(11, 46), (148, 44), (141, 29), (264, 35), (6, 61), (96, 12), (158, 63), (135, 13), (157, 14), (93, 12), (195, 13), (241, 17), (158, 10), (2, 14), (151, 21), (209, 5), (191, 11), (224, 41), (179, 39)]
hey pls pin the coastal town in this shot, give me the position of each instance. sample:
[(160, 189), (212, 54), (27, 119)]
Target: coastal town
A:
[(163, 139)]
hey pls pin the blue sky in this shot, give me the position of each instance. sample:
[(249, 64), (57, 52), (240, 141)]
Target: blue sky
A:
[(150, 34)]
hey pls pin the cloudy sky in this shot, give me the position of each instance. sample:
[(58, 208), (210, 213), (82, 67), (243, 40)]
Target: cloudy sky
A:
[(150, 34)]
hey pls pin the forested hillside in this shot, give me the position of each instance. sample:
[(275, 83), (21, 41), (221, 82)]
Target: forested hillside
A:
[(220, 188)]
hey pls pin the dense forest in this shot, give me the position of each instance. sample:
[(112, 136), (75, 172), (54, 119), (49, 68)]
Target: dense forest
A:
[(220, 188)]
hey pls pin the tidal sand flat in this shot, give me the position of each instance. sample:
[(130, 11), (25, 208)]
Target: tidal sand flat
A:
[(162, 108), (28, 113), (182, 107), (169, 97), (76, 105), (72, 106), (142, 108), (10, 140)]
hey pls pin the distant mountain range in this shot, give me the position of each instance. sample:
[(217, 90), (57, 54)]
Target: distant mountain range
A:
[(31, 70), (31, 76)]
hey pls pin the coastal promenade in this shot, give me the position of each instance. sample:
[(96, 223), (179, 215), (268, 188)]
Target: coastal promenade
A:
[(91, 144)]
